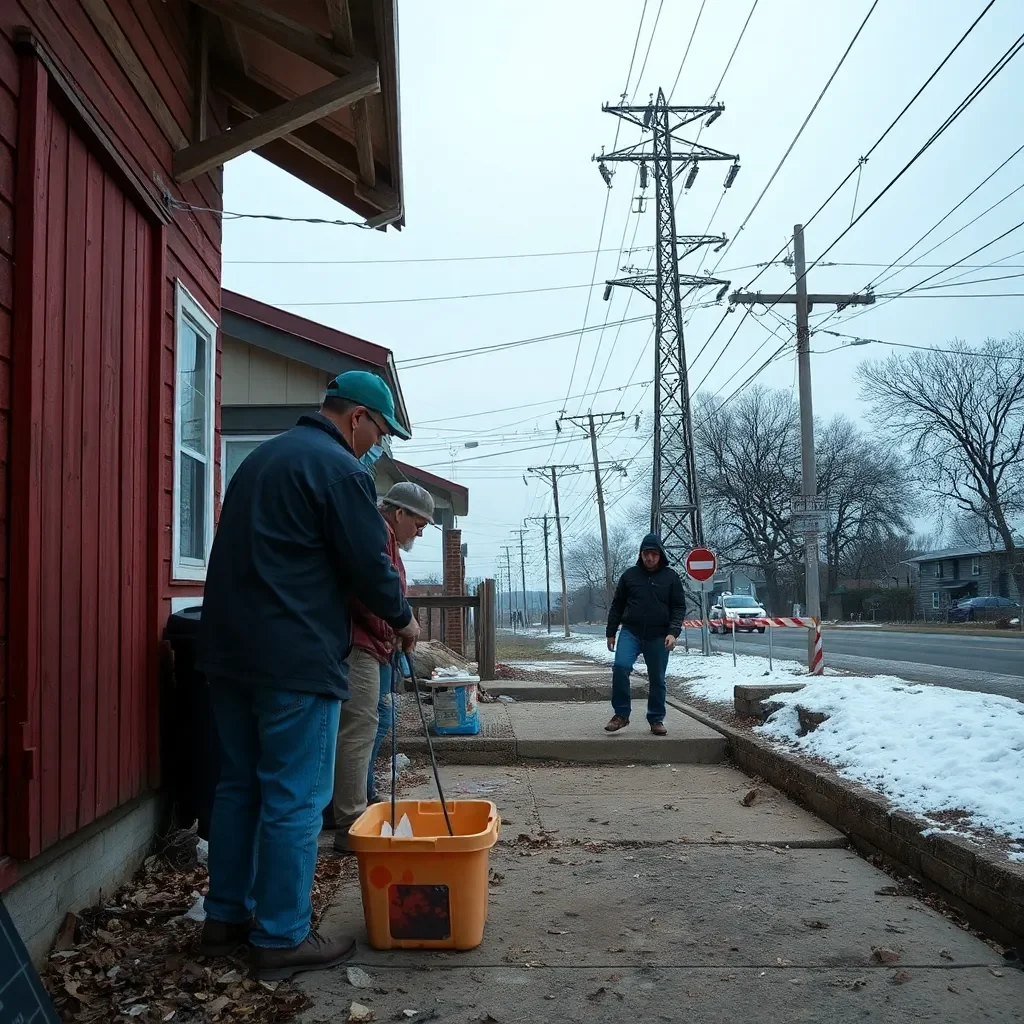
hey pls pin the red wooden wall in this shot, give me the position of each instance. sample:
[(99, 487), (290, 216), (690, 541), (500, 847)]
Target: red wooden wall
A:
[(108, 367)]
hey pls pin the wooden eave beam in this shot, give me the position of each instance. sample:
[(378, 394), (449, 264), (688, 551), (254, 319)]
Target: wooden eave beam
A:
[(202, 157), (252, 98), (302, 41), (344, 39), (233, 48)]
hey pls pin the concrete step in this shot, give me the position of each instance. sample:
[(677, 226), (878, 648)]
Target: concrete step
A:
[(571, 732), (595, 688)]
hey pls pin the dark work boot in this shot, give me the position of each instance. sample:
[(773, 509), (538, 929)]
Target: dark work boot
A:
[(617, 723), (317, 953), (222, 938)]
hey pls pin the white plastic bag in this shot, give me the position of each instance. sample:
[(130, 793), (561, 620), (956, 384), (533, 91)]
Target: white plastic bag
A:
[(404, 830)]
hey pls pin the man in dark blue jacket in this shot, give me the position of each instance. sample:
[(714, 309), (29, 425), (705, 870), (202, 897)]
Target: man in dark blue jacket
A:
[(299, 537), (649, 605)]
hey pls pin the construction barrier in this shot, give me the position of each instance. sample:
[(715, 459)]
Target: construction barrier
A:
[(817, 665)]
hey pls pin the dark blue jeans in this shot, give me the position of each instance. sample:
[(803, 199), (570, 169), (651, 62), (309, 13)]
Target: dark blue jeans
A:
[(385, 709), (628, 648), (385, 714), (277, 775)]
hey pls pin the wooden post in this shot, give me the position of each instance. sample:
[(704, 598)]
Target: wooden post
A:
[(487, 642)]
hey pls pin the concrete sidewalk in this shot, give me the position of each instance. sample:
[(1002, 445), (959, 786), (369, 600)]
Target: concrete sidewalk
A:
[(566, 731), (652, 893)]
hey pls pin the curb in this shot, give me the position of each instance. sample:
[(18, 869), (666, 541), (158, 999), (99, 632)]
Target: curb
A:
[(989, 892)]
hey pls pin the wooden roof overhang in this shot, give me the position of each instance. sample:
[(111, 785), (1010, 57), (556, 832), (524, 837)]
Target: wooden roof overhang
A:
[(311, 86)]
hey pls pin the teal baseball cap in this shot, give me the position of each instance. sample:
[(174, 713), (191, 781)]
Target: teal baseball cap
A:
[(368, 389)]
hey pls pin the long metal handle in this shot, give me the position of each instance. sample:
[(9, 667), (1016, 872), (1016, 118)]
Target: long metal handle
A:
[(430, 745)]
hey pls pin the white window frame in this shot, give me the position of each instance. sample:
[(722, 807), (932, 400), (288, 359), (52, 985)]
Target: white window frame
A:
[(224, 440), (186, 306), (975, 566), (936, 600), (938, 571)]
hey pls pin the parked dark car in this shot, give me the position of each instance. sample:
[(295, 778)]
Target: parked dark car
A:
[(984, 609)]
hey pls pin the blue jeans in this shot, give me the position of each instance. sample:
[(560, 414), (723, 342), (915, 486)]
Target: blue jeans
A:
[(385, 713), (277, 775), (628, 648)]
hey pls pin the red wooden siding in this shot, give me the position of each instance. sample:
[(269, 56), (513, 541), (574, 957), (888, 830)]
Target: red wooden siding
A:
[(84, 698), (112, 586)]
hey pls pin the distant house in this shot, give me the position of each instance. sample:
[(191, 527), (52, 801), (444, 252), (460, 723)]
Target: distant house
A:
[(953, 574)]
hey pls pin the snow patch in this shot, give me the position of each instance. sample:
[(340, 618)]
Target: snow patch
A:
[(925, 748)]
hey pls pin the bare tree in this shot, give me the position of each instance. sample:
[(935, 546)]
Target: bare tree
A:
[(962, 412), (868, 491), (584, 560), (748, 462)]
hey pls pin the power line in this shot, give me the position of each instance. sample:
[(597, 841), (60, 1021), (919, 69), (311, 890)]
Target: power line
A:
[(650, 41), (945, 217), (857, 341), (423, 259), (800, 130), (527, 405), (604, 219), (414, 362), (441, 298), (964, 104), (686, 52)]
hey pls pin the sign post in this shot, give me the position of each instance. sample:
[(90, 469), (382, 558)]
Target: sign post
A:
[(701, 565)]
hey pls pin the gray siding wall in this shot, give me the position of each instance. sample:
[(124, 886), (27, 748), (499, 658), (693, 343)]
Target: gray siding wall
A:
[(992, 578)]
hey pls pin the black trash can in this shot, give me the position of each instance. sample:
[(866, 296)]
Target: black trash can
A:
[(190, 742)]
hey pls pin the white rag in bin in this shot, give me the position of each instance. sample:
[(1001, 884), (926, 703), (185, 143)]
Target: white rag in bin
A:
[(404, 830)]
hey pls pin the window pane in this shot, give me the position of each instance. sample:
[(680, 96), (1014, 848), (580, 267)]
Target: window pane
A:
[(192, 510), (193, 351), (235, 453)]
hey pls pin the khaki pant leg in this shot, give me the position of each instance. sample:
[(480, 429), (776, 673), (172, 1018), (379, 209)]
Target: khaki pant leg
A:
[(355, 739)]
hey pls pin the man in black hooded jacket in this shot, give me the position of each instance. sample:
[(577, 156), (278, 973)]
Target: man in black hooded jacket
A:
[(649, 605)]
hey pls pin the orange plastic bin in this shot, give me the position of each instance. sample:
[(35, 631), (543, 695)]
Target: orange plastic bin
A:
[(428, 892)]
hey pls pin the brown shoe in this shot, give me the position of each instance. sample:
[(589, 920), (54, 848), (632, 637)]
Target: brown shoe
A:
[(617, 723), (658, 728), (317, 953), (222, 938)]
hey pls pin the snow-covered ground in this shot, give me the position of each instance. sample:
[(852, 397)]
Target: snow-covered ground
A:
[(712, 678), (927, 749)]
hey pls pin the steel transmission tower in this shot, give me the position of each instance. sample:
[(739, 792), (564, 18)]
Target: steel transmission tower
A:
[(675, 498)]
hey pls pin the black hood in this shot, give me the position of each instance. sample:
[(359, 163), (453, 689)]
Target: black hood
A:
[(652, 540)]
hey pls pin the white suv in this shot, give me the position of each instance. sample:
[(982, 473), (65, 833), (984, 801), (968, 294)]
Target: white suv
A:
[(736, 612)]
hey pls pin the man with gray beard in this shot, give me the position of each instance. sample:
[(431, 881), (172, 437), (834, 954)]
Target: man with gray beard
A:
[(407, 509)]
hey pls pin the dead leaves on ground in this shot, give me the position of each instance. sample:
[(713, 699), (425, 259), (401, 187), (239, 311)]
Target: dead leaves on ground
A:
[(132, 958)]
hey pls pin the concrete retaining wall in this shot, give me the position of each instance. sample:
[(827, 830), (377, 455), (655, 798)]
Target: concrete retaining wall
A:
[(989, 891), (75, 873)]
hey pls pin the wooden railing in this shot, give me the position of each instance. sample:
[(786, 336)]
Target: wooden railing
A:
[(478, 615)]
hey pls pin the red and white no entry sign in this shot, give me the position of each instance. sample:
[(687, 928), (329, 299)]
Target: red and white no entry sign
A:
[(701, 564)]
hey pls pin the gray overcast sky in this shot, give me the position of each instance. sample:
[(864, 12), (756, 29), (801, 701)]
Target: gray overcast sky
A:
[(501, 113)]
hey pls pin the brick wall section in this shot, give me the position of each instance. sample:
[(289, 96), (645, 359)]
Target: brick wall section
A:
[(988, 889), (454, 583)]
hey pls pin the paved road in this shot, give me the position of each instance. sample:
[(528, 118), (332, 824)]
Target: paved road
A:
[(986, 664)]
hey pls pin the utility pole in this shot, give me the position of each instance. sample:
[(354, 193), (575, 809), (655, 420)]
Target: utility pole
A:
[(511, 590), (809, 509), (547, 562), (522, 567), (550, 474), (588, 424)]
